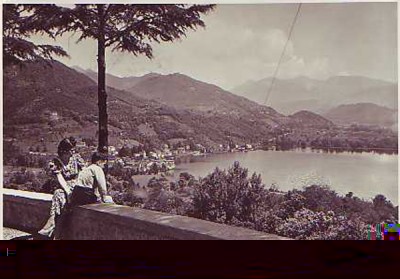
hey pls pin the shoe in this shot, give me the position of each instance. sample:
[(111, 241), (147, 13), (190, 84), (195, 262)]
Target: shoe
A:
[(48, 229), (45, 233)]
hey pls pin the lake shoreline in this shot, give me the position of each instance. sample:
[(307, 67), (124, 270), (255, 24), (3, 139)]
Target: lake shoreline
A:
[(350, 165)]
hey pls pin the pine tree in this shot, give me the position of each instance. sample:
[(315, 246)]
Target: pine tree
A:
[(16, 46), (126, 28)]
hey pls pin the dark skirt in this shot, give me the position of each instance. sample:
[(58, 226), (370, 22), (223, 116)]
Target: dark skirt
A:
[(82, 196)]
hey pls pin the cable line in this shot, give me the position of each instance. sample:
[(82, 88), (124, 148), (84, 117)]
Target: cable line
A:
[(282, 54)]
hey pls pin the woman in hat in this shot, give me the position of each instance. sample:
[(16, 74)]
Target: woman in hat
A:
[(64, 169)]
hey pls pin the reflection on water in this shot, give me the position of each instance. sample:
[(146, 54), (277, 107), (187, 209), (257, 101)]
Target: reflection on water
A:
[(308, 179), (364, 174)]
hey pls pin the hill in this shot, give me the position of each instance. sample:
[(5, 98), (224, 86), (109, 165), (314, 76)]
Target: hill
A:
[(363, 113), (44, 103), (182, 92), (309, 119), (121, 83), (302, 93), (35, 88)]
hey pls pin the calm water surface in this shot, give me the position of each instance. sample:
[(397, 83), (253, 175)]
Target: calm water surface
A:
[(364, 174)]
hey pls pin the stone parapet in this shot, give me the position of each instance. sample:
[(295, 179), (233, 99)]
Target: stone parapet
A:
[(28, 211)]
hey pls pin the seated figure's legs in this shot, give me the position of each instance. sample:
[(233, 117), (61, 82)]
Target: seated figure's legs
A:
[(58, 204), (82, 196)]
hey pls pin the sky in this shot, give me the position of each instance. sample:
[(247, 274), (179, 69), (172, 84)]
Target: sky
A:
[(244, 42)]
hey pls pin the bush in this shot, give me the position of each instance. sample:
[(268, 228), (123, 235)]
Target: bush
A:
[(229, 196), (27, 180), (160, 197), (321, 198), (307, 224)]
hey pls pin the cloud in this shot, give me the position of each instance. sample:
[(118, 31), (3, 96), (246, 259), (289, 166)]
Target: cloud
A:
[(228, 56), (224, 55), (244, 42)]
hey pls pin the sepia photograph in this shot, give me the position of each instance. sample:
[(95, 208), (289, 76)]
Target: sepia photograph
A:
[(267, 121)]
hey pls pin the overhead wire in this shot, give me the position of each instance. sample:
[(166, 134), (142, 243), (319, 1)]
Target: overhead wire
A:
[(282, 54)]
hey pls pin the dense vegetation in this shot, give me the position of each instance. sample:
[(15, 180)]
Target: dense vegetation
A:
[(354, 138), (236, 198)]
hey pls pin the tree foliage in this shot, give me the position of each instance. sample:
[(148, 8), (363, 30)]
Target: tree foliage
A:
[(229, 196), (128, 28), (16, 32)]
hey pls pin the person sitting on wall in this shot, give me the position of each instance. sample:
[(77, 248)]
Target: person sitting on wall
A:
[(90, 186), (67, 166)]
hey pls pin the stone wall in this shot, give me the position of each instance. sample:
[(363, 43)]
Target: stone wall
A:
[(25, 211), (28, 211)]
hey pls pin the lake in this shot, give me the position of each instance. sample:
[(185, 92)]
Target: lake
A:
[(364, 174)]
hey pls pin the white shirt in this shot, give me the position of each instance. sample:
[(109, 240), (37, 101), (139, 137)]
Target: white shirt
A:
[(93, 177)]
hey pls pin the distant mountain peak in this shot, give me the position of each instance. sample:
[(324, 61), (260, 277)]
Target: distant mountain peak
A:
[(359, 78), (308, 118), (363, 113), (149, 75), (291, 95), (304, 112), (363, 105)]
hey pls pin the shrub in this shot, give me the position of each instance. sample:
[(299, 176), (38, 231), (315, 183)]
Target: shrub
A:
[(229, 196), (307, 224), (159, 196)]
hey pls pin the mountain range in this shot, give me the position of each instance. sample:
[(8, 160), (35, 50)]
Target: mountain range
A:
[(113, 81), (183, 92), (44, 102), (156, 109), (302, 93)]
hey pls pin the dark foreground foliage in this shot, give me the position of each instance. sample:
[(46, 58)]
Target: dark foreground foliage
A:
[(236, 198)]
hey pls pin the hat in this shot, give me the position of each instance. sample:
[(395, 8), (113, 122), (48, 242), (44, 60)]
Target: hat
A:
[(66, 145)]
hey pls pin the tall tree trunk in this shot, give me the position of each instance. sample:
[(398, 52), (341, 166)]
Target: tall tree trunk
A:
[(102, 94)]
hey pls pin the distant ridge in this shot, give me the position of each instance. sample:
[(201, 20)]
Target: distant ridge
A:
[(363, 113), (309, 119), (121, 83), (183, 92), (302, 93)]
